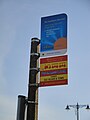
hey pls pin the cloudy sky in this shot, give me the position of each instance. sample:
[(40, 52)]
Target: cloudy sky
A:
[(20, 21)]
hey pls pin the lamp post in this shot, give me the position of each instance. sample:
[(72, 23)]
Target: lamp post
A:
[(77, 107)]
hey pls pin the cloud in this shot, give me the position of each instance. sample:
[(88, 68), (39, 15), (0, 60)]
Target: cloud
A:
[(47, 112), (7, 104), (6, 40), (7, 108)]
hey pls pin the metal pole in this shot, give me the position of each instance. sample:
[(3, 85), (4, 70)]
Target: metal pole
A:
[(77, 107), (21, 107), (33, 86)]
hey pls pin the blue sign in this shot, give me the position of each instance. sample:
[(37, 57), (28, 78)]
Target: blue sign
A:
[(53, 35)]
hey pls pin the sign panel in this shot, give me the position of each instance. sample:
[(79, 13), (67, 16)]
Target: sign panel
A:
[(53, 35), (53, 71)]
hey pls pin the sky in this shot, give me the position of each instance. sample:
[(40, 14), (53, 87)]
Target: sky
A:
[(20, 20)]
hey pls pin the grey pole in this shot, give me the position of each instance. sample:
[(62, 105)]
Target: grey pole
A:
[(77, 107), (21, 107)]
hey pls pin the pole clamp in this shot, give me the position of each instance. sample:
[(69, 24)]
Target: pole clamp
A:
[(36, 69), (35, 54), (32, 102), (34, 84)]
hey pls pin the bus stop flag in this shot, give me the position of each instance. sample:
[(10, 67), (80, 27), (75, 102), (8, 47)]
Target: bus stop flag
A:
[(53, 35)]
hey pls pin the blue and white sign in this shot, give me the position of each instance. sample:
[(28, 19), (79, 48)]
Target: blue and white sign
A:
[(53, 35)]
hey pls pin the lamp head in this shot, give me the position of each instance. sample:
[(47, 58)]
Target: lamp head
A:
[(88, 108), (67, 107)]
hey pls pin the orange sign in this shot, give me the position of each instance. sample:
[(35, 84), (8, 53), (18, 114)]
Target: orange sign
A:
[(53, 71)]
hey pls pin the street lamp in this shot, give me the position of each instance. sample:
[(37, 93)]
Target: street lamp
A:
[(77, 106)]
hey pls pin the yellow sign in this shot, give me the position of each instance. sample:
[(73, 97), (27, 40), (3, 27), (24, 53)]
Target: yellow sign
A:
[(53, 65), (53, 71)]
